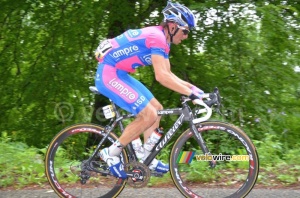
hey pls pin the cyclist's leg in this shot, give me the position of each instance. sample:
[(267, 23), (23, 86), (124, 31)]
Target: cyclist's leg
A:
[(133, 96), (150, 130), (128, 94), (146, 120)]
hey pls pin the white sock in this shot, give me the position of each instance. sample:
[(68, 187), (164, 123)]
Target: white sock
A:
[(115, 149)]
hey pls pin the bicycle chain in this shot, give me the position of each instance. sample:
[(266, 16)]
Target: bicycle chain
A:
[(140, 174)]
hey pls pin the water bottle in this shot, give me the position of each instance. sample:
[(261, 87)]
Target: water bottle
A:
[(152, 141), (138, 147)]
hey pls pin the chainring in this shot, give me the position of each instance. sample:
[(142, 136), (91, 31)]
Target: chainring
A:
[(140, 174)]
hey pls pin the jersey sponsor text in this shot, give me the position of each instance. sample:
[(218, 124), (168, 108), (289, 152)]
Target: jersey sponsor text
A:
[(125, 52), (122, 90)]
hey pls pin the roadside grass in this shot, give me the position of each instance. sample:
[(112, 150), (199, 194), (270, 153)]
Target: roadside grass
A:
[(21, 166)]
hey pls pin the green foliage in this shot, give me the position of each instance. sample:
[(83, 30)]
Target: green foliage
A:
[(27, 164), (20, 165), (277, 162), (248, 49), (48, 53)]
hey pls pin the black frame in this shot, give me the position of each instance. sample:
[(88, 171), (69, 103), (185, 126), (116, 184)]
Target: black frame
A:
[(185, 115)]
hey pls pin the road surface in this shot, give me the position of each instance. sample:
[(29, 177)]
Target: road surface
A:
[(155, 193)]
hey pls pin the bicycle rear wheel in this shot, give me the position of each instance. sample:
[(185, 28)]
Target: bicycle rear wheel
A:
[(233, 154), (66, 170)]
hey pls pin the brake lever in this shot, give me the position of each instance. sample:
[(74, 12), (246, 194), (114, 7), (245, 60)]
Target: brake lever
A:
[(212, 101), (215, 99), (218, 104)]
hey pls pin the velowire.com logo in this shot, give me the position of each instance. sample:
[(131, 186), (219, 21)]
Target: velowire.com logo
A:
[(187, 157)]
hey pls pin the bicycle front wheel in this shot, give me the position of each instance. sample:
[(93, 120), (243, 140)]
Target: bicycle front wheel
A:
[(67, 169), (229, 170)]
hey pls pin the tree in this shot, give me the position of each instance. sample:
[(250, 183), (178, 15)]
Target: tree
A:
[(47, 62)]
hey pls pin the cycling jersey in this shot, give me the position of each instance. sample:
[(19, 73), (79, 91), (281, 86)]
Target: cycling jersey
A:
[(134, 48), (124, 54)]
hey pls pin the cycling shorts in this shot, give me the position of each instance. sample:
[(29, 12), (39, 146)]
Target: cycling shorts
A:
[(124, 90)]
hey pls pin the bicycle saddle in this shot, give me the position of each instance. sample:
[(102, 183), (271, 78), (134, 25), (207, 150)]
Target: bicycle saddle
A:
[(94, 90)]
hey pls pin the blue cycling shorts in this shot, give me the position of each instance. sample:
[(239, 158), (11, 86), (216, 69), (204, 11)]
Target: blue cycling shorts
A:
[(124, 90)]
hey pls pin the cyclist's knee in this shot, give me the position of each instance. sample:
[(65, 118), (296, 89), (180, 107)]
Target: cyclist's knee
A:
[(156, 104), (159, 107), (149, 113)]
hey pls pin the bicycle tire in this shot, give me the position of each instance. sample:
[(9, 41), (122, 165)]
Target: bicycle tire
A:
[(63, 163), (190, 170)]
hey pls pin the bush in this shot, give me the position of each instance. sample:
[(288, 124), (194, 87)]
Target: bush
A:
[(19, 164)]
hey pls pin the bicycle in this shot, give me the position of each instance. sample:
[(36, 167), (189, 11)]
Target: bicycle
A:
[(208, 154)]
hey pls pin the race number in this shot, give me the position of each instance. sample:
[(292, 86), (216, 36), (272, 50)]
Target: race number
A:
[(102, 49)]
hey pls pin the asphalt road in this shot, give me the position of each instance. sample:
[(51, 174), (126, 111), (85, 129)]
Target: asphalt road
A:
[(155, 193)]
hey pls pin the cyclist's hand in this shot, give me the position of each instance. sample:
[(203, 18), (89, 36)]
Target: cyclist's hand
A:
[(196, 89), (196, 93)]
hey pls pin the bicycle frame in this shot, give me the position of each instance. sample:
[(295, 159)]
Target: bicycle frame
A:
[(185, 115), (108, 129)]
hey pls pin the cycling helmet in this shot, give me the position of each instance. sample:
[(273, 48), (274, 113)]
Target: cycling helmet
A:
[(179, 14)]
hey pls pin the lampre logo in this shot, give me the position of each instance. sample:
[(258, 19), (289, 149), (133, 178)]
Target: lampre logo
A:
[(147, 59), (126, 51), (134, 33), (120, 36), (123, 91)]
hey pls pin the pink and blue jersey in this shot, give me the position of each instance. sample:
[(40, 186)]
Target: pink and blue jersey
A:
[(123, 54)]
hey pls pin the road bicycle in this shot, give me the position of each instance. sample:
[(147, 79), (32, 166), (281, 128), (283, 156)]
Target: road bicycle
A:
[(209, 154)]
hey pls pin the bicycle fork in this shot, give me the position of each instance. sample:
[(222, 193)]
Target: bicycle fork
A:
[(202, 144)]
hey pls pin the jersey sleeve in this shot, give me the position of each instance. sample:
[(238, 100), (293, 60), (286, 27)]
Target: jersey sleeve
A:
[(156, 41)]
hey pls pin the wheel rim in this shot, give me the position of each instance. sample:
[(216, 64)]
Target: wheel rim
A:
[(65, 165)]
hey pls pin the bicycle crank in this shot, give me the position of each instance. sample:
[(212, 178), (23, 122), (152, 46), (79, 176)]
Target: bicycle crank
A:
[(138, 174)]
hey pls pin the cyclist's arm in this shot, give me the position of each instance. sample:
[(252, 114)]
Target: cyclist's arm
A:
[(185, 83), (189, 85), (164, 76)]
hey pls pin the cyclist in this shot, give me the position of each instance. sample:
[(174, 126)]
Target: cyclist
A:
[(122, 55)]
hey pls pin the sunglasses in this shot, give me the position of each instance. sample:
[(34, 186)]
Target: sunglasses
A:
[(185, 31)]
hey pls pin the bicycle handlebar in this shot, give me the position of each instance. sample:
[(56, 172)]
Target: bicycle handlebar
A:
[(211, 99), (207, 109)]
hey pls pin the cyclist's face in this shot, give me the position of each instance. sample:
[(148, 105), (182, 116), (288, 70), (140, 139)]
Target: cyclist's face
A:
[(181, 34)]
